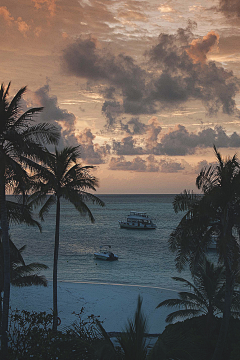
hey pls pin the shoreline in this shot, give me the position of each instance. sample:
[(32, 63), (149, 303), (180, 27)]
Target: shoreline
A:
[(112, 303)]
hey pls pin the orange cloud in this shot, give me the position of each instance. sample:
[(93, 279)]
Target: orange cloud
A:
[(23, 27), (51, 6), (38, 31), (6, 14), (199, 48)]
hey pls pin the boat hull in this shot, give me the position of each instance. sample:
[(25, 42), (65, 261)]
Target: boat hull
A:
[(136, 227), (105, 257)]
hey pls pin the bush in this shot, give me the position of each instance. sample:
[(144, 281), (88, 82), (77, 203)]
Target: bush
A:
[(31, 337)]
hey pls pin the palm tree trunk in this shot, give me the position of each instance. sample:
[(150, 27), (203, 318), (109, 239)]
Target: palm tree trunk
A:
[(226, 315), (55, 264), (1, 300), (6, 258)]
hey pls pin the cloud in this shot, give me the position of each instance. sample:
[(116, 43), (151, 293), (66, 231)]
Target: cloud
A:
[(176, 142), (149, 165), (6, 14), (176, 71), (183, 79), (112, 109), (134, 126), (138, 164), (49, 4), (23, 27), (154, 129), (52, 113), (180, 141), (199, 48), (120, 73), (127, 147), (92, 153), (170, 166), (132, 15), (230, 8)]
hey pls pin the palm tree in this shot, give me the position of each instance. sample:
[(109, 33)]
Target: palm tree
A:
[(132, 341), (63, 177), (20, 144), (206, 295), (20, 273), (216, 212)]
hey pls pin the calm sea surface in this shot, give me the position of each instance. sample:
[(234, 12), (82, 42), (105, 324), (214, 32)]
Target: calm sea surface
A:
[(144, 257)]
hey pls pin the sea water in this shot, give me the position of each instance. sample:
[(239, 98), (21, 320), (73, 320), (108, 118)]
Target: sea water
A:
[(144, 255)]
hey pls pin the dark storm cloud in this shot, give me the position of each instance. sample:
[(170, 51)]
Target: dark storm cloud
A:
[(112, 109), (85, 59), (92, 153), (177, 142), (176, 71), (127, 147), (185, 75), (135, 127), (230, 8), (109, 92), (181, 142), (53, 114), (81, 58)]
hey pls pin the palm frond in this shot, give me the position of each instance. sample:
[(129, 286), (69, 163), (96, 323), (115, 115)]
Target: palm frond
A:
[(185, 201), (29, 280), (13, 107), (42, 133), (181, 314), (22, 121), (78, 201), (133, 340), (46, 207)]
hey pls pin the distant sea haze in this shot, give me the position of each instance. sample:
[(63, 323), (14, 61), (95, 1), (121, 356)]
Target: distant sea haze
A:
[(144, 256)]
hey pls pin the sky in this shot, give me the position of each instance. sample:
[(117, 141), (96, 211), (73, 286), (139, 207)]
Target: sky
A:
[(146, 88)]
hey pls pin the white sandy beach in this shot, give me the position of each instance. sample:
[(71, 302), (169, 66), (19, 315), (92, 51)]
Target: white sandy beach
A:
[(114, 303)]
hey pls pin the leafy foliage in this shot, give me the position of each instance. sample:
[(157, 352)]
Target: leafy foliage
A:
[(206, 295), (216, 213), (132, 341), (22, 145), (31, 337)]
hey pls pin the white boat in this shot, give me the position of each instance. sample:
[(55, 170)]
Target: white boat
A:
[(105, 254), (138, 220)]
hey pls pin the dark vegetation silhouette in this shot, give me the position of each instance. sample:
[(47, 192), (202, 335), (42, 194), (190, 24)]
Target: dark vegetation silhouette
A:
[(62, 177), (21, 274), (206, 295), (21, 144), (214, 213)]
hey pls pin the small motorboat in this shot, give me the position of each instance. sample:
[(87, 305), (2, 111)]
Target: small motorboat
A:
[(105, 254), (138, 220)]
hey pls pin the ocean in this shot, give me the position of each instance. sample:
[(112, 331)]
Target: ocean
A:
[(144, 256)]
